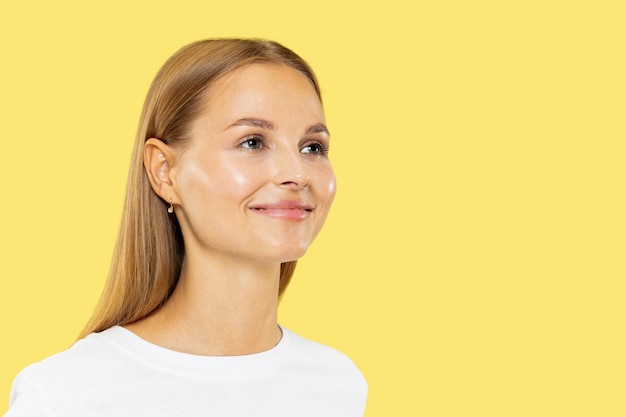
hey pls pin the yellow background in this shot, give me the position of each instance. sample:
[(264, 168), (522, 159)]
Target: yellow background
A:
[(473, 264)]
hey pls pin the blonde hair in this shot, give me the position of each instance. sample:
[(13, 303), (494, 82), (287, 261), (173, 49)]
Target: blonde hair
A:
[(149, 253)]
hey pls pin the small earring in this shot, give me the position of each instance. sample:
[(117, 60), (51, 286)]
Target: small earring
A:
[(170, 209)]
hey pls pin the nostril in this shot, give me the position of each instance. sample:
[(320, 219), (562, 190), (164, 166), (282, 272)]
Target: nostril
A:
[(295, 180)]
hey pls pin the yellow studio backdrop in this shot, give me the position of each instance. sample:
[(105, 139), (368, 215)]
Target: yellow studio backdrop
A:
[(474, 261)]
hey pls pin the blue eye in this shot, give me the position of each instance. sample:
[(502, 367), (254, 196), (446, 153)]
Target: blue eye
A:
[(315, 149), (252, 143)]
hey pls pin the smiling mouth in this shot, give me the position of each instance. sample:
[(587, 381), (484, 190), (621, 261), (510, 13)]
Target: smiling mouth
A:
[(287, 210)]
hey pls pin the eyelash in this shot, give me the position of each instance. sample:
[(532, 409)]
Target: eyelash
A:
[(252, 138), (323, 148)]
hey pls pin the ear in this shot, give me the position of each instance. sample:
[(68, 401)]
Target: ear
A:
[(158, 159)]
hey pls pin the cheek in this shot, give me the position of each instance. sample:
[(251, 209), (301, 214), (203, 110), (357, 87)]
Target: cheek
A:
[(217, 179), (240, 175), (327, 184)]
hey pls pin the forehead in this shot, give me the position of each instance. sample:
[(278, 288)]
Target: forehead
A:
[(256, 72), (264, 88)]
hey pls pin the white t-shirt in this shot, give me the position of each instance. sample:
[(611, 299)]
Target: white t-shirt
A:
[(115, 373)]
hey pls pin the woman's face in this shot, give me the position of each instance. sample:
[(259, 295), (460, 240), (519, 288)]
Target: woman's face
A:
[(255, 181)]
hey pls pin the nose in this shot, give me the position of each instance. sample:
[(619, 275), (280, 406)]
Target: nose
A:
[(290, 170)]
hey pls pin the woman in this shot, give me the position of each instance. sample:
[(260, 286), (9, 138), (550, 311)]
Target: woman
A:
[(229, 185)]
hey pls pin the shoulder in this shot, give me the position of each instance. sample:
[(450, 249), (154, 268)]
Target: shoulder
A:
[(90, 356), (79, 355), (310, 347), (320, 371), (324, 359)]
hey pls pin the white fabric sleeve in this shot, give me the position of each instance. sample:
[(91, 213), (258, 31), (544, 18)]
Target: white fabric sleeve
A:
[(26, 401)]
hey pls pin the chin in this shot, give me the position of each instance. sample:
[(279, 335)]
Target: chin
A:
[(288, 254), (284, 247), (292, 256)]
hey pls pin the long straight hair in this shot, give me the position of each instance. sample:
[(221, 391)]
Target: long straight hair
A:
[(149, 252)]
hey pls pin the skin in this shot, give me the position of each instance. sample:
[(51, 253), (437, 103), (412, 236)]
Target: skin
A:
[(251, 189)]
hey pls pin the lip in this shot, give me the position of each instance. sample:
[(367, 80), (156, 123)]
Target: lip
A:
[(286, 209)]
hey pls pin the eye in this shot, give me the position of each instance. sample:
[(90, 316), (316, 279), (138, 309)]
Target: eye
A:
[(252, 142), (315, 149)]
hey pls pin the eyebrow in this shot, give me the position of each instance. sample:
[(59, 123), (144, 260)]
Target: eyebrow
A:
[(268, 125), (318, 128), (255, 122)]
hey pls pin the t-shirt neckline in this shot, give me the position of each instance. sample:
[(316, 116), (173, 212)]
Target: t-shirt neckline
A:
[(204, 366)]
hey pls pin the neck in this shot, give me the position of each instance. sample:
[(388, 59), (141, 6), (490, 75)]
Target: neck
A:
[(223, 308)]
